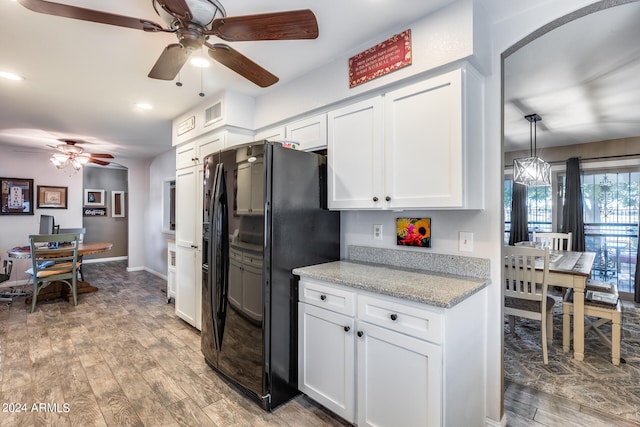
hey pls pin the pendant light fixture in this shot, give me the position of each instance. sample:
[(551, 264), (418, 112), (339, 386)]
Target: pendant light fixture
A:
[(532, 170)]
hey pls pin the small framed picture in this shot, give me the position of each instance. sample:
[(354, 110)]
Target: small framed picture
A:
[(52, 197), (94, 198), (16, 196), (413, 232), (117, 204)]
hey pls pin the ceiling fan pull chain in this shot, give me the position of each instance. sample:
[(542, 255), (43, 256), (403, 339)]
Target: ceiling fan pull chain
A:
[(179, 83), (201, 78)]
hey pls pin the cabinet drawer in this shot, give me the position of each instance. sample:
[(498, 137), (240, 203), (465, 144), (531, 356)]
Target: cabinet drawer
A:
[(234, 254), (254, 260), (402, 318), (328, 297)]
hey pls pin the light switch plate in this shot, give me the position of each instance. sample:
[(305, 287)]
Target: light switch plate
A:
[(466, 241)]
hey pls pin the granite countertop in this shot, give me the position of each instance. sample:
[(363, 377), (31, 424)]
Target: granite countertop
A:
[(436, 289)]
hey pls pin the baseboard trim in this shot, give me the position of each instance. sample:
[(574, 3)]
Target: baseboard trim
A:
[(110, 259), (155, 273), (493, 423)]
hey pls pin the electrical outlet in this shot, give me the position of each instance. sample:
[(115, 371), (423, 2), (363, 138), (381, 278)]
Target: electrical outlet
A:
[(377, 231), (466, 241)]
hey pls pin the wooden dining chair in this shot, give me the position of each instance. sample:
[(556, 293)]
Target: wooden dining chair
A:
[(605, 313), (555, 241), (62, 250), (524, 295)]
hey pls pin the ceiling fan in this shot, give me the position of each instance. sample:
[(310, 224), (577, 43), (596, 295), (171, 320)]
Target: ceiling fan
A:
[(69, 153), (193, 21)]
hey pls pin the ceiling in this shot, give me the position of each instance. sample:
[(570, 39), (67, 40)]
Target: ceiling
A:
[(581, 78), (82, 79)]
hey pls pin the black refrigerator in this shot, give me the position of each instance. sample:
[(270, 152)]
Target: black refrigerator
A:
[(264, 214)]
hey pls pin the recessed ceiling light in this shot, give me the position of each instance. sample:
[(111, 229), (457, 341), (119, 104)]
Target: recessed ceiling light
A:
[(144, 106), (10, 76), (200, 62)]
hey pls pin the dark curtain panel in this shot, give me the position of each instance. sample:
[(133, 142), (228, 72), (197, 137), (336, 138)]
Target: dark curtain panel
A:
[(572, 216), (519, 221), (637, 277)]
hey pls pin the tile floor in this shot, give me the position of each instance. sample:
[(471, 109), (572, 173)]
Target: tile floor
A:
[(122, 358)]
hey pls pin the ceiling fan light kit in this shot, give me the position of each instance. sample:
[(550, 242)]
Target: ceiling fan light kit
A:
[(532, 171), (70, 154)]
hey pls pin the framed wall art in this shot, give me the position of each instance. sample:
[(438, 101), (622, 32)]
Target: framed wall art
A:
[(117, 204), (16, 196), (94, 198), (413, 232), (52, 197)]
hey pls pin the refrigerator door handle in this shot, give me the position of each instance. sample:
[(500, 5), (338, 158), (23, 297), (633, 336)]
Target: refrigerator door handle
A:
[(219, 238)]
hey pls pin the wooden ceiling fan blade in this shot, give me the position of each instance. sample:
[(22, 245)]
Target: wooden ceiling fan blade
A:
[(82, 14), (242, 65), (100, 155), (98, 162), (292, 25), (170, 62)]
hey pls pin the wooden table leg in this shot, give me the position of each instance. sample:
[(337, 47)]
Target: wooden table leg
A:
[(579, 284), (61, 290)]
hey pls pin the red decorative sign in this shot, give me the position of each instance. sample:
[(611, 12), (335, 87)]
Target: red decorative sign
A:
[(383, 58)]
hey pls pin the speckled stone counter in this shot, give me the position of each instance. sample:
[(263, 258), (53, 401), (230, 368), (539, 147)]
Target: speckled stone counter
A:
[(436, 289)]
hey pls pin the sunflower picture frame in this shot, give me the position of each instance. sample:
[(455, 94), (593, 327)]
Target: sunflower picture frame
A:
[(413, 232)]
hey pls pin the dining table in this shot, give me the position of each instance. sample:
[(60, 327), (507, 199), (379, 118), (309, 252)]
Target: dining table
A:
[(60, 290), (570, 269)]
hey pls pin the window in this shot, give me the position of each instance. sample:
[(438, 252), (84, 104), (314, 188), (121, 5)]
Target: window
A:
[(611, 224), (539, 209)]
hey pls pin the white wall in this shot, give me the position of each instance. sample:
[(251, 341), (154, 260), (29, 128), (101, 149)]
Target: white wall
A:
[(15, 229), (437, 40), (138, 199), (161, 168)]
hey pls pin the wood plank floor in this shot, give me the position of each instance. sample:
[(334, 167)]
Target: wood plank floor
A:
[(122, 358)]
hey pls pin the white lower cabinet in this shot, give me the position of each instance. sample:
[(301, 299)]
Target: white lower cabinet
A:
[(380, 361)]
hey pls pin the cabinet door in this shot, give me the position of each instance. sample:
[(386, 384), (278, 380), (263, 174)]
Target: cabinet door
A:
[(186, 155), (186, 288), (257, 187), (211, 145), (355, 145), (271, 134), (243, 195), (186, 204), (399, 379), (252, 299), (326, 359), (423, 144), (311, 132)]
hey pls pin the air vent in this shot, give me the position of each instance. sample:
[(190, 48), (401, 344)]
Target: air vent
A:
[(213, 113)]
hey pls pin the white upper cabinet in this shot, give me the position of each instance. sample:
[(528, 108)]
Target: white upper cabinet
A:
[(271, 134), (310, 132), (422, 149), (355, 164)]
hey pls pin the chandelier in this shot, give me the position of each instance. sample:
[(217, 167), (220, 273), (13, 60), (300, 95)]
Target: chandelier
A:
[(532, 170), (69, 155)]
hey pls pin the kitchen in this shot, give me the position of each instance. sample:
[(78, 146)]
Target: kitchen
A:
[(326, 87)]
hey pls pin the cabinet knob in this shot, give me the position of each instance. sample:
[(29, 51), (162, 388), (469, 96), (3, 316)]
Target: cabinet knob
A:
[(323, 297), (347, 329), (360, 334), (388, 199), (375, 199), (394, 316)]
